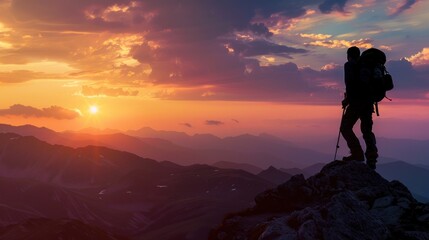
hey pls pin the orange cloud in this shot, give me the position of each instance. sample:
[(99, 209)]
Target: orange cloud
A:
[(421, 58), (18, 76), (385, 47), (106, 91), (55, 112), (315, 36), (156, 44), (330, 66), (361, 43)]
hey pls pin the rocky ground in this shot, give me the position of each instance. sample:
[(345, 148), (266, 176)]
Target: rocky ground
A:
[(346, 200)]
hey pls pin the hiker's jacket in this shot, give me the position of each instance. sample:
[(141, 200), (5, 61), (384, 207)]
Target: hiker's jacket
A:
[(356, 79)]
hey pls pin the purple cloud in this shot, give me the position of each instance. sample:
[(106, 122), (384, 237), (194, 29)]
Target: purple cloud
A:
[(263, 47), (329, 6), (214, 123), (188, 44), (410, 82), (407, 5), (186, 125)]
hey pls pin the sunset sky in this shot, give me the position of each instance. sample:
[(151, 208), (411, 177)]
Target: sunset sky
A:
[(219, 66)]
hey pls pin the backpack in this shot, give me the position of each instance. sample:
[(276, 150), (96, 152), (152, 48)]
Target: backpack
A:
[(380, 80)]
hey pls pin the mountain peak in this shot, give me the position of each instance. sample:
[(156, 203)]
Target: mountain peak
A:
[(345, 200), (274, 175)]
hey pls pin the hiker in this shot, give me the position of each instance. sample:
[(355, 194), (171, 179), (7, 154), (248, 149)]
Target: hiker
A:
[(358, 105)]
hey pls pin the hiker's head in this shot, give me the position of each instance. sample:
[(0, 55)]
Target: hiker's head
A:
[(353, 53)]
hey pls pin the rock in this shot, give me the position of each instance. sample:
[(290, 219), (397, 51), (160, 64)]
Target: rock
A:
[(309, 230), (278, 228), (390, 215), (404, 203), (416, 235), (424, 218), (345, 200), (383, 202), (348, 218), (294, 193)]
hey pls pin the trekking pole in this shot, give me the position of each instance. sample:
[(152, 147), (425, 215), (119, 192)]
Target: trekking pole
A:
[(339, 133)]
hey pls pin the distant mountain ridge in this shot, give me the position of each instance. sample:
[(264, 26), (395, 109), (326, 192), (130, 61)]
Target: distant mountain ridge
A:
[(414, 177), (212, 150), (413, 151), (261, 151), (274, 175), (243, 166), (108, 188), (116, 191)]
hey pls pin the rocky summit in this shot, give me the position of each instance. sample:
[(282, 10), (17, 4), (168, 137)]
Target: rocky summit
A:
[(345, 200)]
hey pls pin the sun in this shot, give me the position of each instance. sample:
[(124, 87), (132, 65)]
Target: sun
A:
[(93, 109)]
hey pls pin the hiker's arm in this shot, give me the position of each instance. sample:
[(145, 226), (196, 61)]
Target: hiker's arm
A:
[(345, 102), (348, 74), (347, 78)]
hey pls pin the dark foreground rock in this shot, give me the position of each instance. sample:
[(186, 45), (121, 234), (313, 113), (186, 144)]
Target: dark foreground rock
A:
[(346, 200)]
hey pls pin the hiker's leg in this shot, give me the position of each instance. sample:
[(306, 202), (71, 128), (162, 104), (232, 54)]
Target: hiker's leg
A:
[(349, 120), (371, 152), (368, 135)]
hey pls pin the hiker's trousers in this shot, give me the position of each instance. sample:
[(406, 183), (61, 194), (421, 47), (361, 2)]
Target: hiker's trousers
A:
[(353, 113)]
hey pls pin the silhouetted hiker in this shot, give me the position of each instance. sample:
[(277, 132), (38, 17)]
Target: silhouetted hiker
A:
[(358, 104)]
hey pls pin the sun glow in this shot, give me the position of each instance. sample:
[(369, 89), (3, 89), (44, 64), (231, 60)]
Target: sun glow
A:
[(93, 109)]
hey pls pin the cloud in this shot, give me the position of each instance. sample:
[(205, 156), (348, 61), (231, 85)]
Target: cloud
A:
[(315, 36), (184, 48), (55, 112), (420, 58), (407, 4), (260, 29), (235, 120), (284, 82), (92, 15), (330, 66), (186, 125), (411, 82), (214, 123), (385, 47), (262, 47), (125, 15), (107, 91), (361, 43), (18, 76), (329, 6)]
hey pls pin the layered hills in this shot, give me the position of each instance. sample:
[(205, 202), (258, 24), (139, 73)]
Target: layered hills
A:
[(107, 185), (116, 191)]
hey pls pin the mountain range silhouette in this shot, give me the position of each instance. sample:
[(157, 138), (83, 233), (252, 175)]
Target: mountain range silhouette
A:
[(92, 183), (116, 191)]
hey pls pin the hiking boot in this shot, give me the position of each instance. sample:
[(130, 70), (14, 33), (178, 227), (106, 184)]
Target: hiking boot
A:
[(371, 155), (354, 157), (371, 159)]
